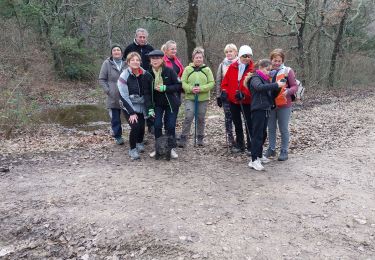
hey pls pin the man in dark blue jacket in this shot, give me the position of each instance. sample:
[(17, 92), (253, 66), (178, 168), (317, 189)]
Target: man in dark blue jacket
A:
[(141, 46)]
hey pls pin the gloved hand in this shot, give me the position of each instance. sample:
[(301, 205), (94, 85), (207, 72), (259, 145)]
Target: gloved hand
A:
[(224, 95), (219, 102), (239, 96), (151, 112), (163, 88)]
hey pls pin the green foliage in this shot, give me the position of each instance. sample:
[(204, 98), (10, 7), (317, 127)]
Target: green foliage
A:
[(357, 37), (77, 62), (26, 13), (72, 59)]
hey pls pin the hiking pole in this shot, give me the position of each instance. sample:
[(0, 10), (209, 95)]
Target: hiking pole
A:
[(226, 139), (244, 116), (195, 115), (226, 133)]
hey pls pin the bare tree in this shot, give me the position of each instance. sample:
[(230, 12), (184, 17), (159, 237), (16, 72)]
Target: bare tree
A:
[(346, 6)]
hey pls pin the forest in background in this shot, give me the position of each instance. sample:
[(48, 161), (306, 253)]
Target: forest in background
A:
[(329, 43)]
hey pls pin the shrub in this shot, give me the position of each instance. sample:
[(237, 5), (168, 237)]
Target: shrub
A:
[(76, 62)]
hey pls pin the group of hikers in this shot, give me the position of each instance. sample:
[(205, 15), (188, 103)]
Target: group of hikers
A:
[(147, 85)]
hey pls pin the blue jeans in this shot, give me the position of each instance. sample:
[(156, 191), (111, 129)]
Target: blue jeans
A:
[(170, 118), (115, 115), (281, 116)]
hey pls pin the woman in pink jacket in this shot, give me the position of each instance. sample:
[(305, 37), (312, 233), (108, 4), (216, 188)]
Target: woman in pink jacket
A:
[(281, 114)]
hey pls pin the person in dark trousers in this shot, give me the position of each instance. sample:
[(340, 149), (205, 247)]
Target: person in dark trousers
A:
[(110, 71), (143, 48), (230, 52), (131, 84), (239, 97), (162, 100), (262, 93)]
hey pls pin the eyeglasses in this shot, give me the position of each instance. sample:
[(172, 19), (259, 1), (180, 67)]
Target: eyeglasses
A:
[(246, 56)]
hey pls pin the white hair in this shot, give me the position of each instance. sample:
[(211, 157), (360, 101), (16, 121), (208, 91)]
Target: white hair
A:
[(141, 30), (169, 43)]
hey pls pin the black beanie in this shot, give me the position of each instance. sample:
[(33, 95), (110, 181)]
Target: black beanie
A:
[(114, 46)]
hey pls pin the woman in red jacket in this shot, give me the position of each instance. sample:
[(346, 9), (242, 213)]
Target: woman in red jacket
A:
[(239, 97), (170, 58)]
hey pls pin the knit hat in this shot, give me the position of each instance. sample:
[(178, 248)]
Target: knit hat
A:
[(114, 46), (245, 49)]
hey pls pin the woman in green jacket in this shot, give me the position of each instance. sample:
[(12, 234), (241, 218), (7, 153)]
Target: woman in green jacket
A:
[(197, 81)]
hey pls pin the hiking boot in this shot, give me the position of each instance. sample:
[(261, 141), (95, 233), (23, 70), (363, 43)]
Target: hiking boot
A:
[(119, 140), (238, 148), (235, 149), (133, 153), (182, 141), (140, 147), (264, 159), (200, 140), (283, 155), (174, 155), (270, 153), (152, 155), (256, 165)]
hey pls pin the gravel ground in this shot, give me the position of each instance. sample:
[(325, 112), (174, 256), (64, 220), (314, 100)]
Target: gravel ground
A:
[(69, 194)]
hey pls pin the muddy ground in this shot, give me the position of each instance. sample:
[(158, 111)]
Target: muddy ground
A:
[(75, 195)]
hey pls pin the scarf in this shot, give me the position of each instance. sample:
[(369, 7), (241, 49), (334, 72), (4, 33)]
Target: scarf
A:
[(226, 64), (280, 70), (262, 75), (158, 78), (241, 69), (118, 63), (138, 71)]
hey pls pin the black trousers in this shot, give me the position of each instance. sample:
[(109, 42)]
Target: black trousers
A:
[(259, 119), (237, 121), (137, 130)]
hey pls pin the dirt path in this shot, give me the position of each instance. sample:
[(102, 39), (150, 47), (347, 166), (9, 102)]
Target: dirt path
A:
[(205, 205)]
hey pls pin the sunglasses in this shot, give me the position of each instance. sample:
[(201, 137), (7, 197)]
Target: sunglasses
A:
[(246, 56)]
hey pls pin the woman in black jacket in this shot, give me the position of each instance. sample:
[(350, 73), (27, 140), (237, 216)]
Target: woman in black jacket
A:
[(162, 101), (132, 85), (262, 93)]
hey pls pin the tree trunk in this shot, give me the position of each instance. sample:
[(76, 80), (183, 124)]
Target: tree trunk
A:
[(300, 44), (190, 27), (319, 39), (336, 47)]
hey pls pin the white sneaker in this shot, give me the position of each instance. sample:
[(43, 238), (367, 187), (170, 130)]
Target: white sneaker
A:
[(152, 155), (256, 165), (174, 155), (264, 159)]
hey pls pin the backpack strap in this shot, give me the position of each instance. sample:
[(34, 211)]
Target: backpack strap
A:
[(199, 69)]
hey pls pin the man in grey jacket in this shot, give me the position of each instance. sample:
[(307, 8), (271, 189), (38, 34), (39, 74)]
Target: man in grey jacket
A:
[(111, 69)]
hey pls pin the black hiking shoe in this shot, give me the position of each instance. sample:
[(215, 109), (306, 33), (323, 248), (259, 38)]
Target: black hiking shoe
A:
[(283, 156), (270, 153), (182, 141), (200, 141)]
